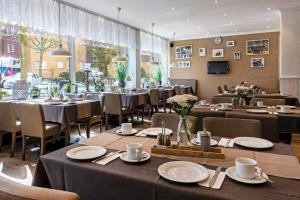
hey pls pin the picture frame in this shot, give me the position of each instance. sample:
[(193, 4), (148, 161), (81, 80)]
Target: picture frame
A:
[(257, 47), (257, 62), (218, 53), (230, 43), (202, 52), (184, 64), (184, 52), (237, 55)]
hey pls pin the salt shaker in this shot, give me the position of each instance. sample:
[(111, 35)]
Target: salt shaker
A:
[(160, 139), (205, 140)]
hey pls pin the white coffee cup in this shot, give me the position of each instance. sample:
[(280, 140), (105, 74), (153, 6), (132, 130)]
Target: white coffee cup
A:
[(245, 168), (126, 127), (284, 109), (224, 105), (263, 92), (203, 102), (134, 151), (225, 92), (260, 103)]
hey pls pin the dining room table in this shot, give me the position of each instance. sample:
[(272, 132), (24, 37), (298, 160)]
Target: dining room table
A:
[(119, 179)]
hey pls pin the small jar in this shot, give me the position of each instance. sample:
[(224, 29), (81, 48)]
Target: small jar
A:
[(205, 141), (160, 139)]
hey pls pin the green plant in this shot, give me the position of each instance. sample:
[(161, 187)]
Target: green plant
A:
[(64, 75), (4, 93), (122, 69), (54, 91), (99, 85), (68, 87), (80, 76), (159, 74), (35, 92)]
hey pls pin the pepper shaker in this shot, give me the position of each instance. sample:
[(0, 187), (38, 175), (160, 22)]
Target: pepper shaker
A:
[(205, 140)]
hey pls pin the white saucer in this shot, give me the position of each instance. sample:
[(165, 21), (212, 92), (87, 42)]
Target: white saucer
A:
[(133, 131), (230, 172), (287, 112), (146, 156), (198, 143)]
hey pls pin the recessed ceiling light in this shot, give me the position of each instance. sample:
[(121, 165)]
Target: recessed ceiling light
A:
[(268, 9), (230, 23), (268, 19), (216, 1), (188, 19), (199, 27), (225, 14), (268, 27), (236, 30), (173, 9)]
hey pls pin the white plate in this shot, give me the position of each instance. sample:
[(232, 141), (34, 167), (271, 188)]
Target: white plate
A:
[(230, 172), (257, 111), (86, 152), (133, 131), (291, 107), (156, 131), (194, 141), (287, 112), (253, 142), (146, 156), (183, 172)]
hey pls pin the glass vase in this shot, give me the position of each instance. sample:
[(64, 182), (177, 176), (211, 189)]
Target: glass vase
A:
[(242, 101), (183, 132)]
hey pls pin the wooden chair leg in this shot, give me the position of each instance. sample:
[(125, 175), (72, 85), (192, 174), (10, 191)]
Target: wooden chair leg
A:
[(101, 126), (43, 146), (1, 142), (142, 115), (79, 129), (13, 144), (120, 120), (88, 129), (106, 122), (23, 147)]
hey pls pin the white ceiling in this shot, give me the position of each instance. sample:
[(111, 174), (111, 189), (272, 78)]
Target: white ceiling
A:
[(194, 18)]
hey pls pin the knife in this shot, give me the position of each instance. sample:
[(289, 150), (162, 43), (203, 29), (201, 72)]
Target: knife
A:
[(106, 156), (214, 178)]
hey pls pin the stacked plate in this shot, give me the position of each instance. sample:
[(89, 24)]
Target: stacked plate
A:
[(86, 152), (253, 142), (155, 131), (257, 111)]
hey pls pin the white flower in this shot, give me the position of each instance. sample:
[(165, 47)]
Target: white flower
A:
[(182, 99)]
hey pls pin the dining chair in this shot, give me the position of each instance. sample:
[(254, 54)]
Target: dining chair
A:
[(33, 124), (155, 101), (270, 101), (269, 123), (84, 117), (220, 90), (200, 114), (177, 90), (9, 123), (11, 190), (98, 118), (232, 127), (112, 106), (172, 120)]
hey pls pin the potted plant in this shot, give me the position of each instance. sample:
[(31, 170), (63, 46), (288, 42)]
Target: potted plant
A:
[(182, 105), (35, 92), (3, 93), (99, 85), (54, 92), (159, 76), (122, 69)]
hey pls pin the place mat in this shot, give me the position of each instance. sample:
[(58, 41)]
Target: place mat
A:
[(218, 182), (272, 164)]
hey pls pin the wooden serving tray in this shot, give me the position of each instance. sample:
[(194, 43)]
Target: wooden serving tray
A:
[(189, 151)]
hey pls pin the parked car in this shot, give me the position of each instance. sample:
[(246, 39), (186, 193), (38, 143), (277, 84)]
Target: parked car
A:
[(32, 79)]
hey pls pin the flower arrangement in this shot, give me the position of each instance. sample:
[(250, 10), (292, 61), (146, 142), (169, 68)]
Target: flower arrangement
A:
[(182, 105), (242, 91), (122, 69)]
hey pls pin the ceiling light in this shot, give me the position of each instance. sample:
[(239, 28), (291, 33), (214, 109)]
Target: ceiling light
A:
[(119, 58), (188, 19), (236, 30), (268, 19), (225, 14), (60, 51), (216, 1), (268, 9), (173, 9)]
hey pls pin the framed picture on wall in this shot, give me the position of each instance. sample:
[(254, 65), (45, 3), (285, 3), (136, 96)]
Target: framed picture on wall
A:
[(218, 53), (237, 55), (230, 43), (257, 47), (257, 62), (184, 64), (202, 52), (183, 52)]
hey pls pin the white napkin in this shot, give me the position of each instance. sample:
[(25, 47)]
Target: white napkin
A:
[(218, 182), (105, 161), (141, 134), (223, 142)]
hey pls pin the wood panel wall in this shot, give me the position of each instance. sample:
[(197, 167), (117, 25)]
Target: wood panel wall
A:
[(267, 77)]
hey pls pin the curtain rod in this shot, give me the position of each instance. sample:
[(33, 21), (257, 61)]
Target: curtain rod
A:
[(105, 17)]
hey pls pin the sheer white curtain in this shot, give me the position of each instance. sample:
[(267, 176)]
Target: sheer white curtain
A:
[(160, 46), (43, 15)]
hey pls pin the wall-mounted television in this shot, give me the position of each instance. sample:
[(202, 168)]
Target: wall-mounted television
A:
[(218, 67)]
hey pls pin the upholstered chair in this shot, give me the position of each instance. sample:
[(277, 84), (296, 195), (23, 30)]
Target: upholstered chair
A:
[(177, 90), (155, 101)]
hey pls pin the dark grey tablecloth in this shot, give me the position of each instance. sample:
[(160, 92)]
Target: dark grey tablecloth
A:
[(120, 180)]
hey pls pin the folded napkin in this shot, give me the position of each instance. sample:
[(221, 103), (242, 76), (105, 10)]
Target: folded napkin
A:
[(141, 134), (218, 182), (105, 161), (224, 141)]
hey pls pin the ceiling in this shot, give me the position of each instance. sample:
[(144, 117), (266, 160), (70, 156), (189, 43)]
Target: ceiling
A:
[(194, 18)]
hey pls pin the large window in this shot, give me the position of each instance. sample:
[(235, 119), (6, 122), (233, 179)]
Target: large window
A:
[(150, 74)]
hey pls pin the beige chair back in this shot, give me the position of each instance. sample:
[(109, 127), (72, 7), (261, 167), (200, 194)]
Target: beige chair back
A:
[(154, 96), (32, 119), (172, 120), (7, 117), (83, 110), (10, 190), (232, 127), (270, 101), (220, 90), (177, 90), (112, 104)]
